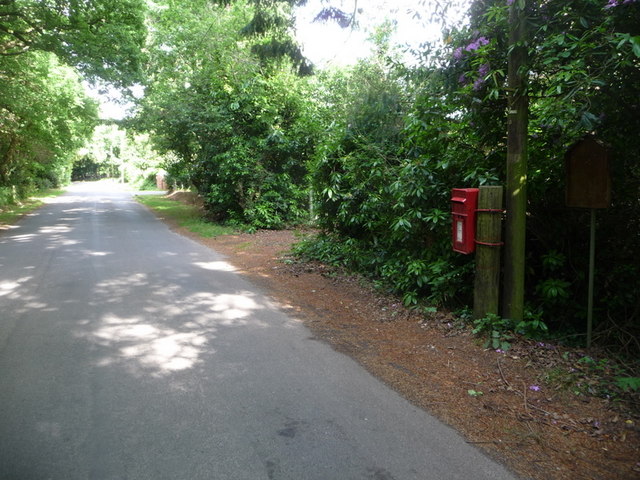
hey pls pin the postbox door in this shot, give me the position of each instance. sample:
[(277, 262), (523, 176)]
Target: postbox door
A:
[(464, 202)]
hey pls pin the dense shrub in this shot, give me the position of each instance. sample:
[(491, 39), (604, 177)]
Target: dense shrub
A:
[(45, 116), (240, 125), (385, 169), (381, 145)]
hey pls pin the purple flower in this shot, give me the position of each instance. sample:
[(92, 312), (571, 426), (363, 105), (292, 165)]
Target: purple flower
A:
[(458, 53), (462, 78), (535, 388), (499, 350), (484, 70), (478, 84), (476, 44)]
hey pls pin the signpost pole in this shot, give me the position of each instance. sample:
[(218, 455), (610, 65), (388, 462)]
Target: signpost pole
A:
[(588, 186), (592, 256)]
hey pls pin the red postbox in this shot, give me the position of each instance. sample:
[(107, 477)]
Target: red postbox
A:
[(464, 202)]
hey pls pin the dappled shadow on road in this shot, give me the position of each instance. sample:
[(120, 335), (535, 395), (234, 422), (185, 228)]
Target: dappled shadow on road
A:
[(85, 264), (171, 331)]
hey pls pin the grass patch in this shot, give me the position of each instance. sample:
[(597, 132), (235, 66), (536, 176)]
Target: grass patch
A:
[(10, 213), (186, 216), (244, 245)]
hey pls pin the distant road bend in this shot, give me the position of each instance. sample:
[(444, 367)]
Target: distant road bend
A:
[(130, 352)]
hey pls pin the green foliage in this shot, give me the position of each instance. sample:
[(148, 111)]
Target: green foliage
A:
[(382, 176), (241, 129), (113, 152), (554, 289), (532, 325), (45, 116), (582, 56), (371, 151), (601, 377), (375, 149), (499, 331), (187, 216), (147, 182), (7, 196), (103, 38), (400, 139), (11, 210), (628, 384), (496, 329)]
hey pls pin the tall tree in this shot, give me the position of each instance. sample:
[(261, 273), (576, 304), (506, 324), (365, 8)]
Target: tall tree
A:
[(517, 154), (45, 116), (237, 120), (44, 112)]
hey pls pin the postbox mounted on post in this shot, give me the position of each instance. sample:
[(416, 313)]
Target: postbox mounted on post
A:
[(464, 203)]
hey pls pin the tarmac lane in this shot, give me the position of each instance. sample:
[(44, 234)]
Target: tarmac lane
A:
[(130, 352)]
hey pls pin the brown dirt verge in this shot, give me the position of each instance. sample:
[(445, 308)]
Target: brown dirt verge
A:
[(498, 401)]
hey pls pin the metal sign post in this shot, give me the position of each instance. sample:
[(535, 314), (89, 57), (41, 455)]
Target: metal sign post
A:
[(592, 261), (588, 186)]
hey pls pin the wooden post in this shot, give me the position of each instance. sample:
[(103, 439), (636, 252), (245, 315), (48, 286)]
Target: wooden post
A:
[(486, 292), (516, 194)]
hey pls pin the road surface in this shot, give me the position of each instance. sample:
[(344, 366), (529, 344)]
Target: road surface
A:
[(130, 352)]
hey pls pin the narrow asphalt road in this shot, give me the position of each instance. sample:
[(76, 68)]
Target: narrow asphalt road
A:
[(130, 352)]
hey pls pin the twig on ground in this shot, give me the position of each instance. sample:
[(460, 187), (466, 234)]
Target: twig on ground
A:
[(502, 374)]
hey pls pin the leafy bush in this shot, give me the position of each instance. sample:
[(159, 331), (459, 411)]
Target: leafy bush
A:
[(237, 118), (400, 139), (498, 331), (7, 196), (147, 182), (582, 54), (381, 145)]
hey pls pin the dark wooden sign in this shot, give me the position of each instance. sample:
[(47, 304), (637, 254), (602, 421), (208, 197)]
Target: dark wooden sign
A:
[(588, 176)]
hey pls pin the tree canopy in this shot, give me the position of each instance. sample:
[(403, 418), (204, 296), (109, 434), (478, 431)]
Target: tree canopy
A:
[(47, 48), (237, 119), (102, 38), (45, 117)]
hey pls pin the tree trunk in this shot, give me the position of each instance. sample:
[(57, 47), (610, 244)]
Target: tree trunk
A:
[(516, 188)]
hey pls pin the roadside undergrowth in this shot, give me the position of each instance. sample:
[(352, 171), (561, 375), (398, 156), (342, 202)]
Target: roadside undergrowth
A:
[(186, 215), (11, 212)]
